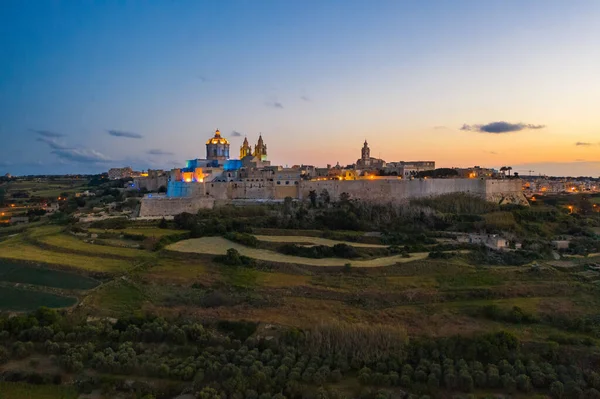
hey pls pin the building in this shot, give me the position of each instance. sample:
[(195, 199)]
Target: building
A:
[(492, 241), (154, 180), (120, 173), (260, 149), (217, 148), (245, 149), (476, 172), (407, 169), (366, 162)]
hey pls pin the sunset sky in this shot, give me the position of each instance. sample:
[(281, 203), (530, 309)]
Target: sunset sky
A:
[(85, 86)]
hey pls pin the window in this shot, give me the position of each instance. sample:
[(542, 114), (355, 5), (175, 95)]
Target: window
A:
[(287, 182), (278, 182)]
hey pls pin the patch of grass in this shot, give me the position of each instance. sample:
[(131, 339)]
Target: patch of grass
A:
[(18, 390), (22, 300), (140, 231), (219, 246), (119, 297), (477, 279), (240, 277), (266, 279), (46, 277)]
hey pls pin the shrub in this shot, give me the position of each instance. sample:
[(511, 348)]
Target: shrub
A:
[(242, 238), (557, 390)]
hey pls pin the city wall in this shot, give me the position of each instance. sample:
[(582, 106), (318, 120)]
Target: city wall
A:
[(190, 197), (165, 206)]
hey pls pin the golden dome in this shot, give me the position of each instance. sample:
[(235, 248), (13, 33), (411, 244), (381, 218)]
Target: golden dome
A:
[(217, 139)]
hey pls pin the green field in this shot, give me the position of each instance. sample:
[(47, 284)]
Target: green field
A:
[(27, 252), (17, 299), (24, 274), (14, 390), (139, 231), (219, 246), (67, 242)]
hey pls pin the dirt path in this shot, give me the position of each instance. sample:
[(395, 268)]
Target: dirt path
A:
[(315, 241), (219, 246)]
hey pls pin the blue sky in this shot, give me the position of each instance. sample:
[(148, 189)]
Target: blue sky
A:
[(315, 77)]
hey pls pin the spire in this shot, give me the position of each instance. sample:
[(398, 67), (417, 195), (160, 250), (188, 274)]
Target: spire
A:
[(217, 133)]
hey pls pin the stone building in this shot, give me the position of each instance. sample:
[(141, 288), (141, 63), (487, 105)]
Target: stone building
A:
[(120, 173), (406, 169), (245, 149), (217, 148), (260, 149), (366, 162)]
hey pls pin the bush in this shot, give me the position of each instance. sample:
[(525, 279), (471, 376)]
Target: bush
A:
[(557, 390), (242, 238), (234, 258)]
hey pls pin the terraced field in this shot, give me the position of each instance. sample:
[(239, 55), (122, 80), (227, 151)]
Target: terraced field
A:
[(313, 241), (219, 246), (140, 231), (22, 251), (13, 390), (68, 242)]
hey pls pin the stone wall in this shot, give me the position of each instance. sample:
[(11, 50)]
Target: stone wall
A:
[(189, 197), (150, 183), (165, 206), (394, 190)]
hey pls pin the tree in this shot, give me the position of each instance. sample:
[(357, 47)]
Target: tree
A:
[(557, 390), (344, 198), (287, 205), (312, 195), (163, 224), (325, 197)]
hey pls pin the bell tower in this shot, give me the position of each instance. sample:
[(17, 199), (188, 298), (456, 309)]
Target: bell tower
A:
[(365, 152), (245, 149)]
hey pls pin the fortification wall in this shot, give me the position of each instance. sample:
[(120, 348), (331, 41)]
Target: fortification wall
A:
[(190, 197), (394, 190), (509, 191), (166, 206)]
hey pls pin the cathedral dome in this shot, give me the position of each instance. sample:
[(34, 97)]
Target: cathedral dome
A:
[(217, 139)]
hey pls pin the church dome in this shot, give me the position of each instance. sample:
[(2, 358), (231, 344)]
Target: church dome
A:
[(217, 139)]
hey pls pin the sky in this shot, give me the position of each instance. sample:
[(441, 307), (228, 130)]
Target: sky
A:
[(85, 86)]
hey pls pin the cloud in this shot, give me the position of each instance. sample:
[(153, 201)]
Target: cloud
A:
[(202, 79), (5, 163), (120, 133), (159, 152), (305, 98), (491, 152), (500, 127), (47, 133), (441, 128), (583, 144), (81, 155), (52, 142), (235, 133), (274, 104)]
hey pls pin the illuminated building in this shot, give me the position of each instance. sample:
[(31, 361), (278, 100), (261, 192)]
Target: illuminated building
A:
[(260, 149), (245, 149), (366, 161), (217, 148)]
